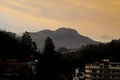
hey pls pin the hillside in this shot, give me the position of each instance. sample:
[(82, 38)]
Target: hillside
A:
[(63, 37)]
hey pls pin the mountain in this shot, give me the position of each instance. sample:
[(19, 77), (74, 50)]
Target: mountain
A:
[(63, 37)]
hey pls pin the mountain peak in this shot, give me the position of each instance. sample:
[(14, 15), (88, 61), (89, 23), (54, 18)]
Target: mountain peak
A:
[(66, 30)]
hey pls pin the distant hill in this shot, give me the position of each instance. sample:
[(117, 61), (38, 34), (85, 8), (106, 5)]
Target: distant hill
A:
[(63, 37)]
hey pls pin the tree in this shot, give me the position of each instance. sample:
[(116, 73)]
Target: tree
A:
[(26, 39), (49, 47), (34, 46), (46, 66)]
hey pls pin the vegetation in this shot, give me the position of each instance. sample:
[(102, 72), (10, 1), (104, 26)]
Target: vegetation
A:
[(109, 50), (13, 47), (53, 65)]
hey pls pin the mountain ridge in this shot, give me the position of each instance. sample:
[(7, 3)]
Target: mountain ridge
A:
[(62, 37)]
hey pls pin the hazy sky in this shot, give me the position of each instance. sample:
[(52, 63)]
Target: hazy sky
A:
[(97, 19)]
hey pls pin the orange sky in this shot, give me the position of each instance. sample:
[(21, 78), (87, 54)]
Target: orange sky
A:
[(97, 19)]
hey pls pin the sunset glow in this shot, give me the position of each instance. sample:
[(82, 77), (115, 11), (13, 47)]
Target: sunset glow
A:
[(97, 19)]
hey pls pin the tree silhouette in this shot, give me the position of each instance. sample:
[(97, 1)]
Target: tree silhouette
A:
[(26, 39), (49, 48), (47, 65), (34, 46)]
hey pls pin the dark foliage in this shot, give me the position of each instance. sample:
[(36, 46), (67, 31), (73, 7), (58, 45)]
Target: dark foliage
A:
[(12, 47), (49, 67), (109, 50)]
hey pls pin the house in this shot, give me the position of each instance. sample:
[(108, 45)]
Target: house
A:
[(102, 70)]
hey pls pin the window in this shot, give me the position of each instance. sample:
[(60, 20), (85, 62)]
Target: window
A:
[(113, 65), (94, 75), (113, 71), (106, 66), (101, 66), (94, 71), (99, 75), (101, 71)]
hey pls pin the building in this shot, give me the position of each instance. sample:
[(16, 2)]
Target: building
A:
[(10, 65), (103, 70), (13, 66)]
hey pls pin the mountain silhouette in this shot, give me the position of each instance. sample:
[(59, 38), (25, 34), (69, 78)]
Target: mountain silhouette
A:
[(62, 37)]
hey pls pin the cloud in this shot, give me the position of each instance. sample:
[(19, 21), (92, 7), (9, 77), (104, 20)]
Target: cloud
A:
[(96, 17), (98, 12), (72, 10), (106, 37)]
